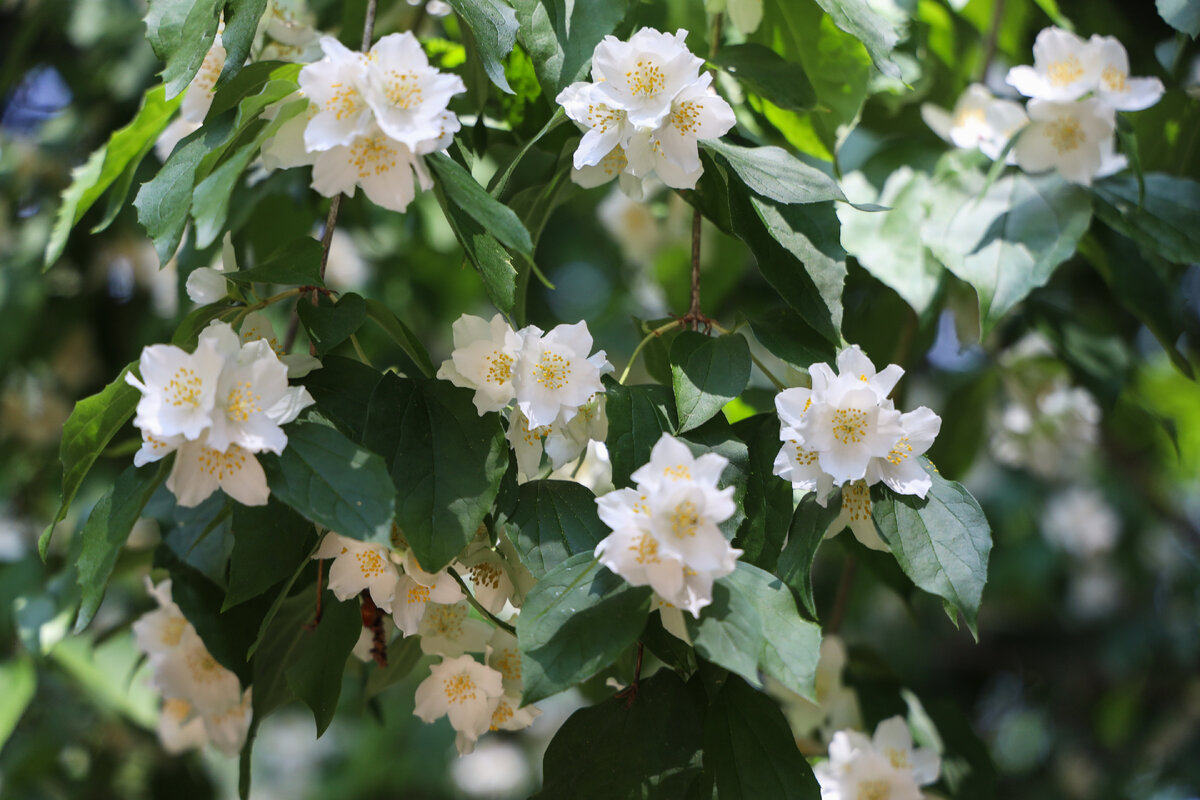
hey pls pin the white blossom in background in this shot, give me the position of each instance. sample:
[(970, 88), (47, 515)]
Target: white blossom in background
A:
[(179, 730), (483, 359), (359, 566), (885, 766), (257, 325), (836, 705), (1074, 138), (979, 121), (594, 470), (1081, 522), (449, 630), (1065, 67), (1047, 426), (1116, 88), (644, 112), (197, 99), (465, 691), (664, 532), (746, 15), (291, 27), (632, 224)]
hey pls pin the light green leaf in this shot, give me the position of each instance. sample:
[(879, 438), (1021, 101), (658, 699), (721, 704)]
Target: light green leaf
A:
[(942, 543), (575, 622), (774, 173), (494, 24), (316, 675), (486, 254), (89, 429), (446, 462), (334, 482), (1182, 15), (19, 679), (553, 521), (753, 626), (492, 215), (1165, 224), (707, 373), (181, 33), (768, 75), (241, 24), (857, 18)]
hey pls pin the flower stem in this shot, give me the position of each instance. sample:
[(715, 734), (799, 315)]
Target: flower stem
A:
[(638, 350), (475, 603), (780, 385)]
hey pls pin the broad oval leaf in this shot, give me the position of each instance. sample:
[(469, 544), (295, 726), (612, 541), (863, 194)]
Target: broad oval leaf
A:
[(637, 417), (315, 675), (1164, 223), (327, 323), (494, 25), (768, 500), (270, 543), (553, 521), (774, 173), (560, 36), (707, 373), (768, 75)]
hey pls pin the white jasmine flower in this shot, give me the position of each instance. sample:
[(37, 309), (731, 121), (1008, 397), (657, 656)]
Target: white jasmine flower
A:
[(671, 618), (189, 671), (594, 470), (383, 167), (856, 515), (901, 468), (291, 22), (162, 631), (1081, 522), (257, 325), (249, 388), (207, 285), (407, 95), (465, 691), (286, 148), (198, 96), (155, 448), (632, 225), (886, 766), (359, 566), (979, 121), (1115, 88), (528, 444), (613, 165), (606, 126), (178, 389), (175, 132), (665, 532), (1069, 137), (483, 359), (414, 591), (796, 462), (555, 375), (227, 728), (449, 630), (335, 87), (643, 76), (671, 151), (504, 656), (487, 572), (200, 470), (1065, 67), (180, 730)]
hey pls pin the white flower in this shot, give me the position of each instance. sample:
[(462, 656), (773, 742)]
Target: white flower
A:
[(594, 470), (613, 165), (483, 358), (415, 590), (207, 285), (200, 470), (160, 632), (179, 730), (632, 225), (671, 618), (555, 375), (504, 656), (359, 566), (190, 672), (383, 167), (979, 121), (528, 444), (487, 572), (1065, 67), (796, 462), (291, 23), (179, 389), (1081, 522), (665, 532), (856, 515), (253, 383), (885, 766), (227, 728), (407, 95), (465, 691), (605, 126), (1071, 137), (671, 151), (643, 76), (1115, 88), (449, 630), (901, 468), (257, 325), (198, 96), (335, 87)]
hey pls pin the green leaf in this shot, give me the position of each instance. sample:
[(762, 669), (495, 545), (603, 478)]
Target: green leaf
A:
[(619, 749), (560, 40), (327, 323), (553, 521), (342, 389), (89, 429), (942, 542), (269, 544), (164, 201), (117, 159), (805, 534), (638, 416), (768, 75), (774, 173), (1165, 224), (316, 676), (888, 243), (494, 24), (188, 332), (1182, 15), (402, 655), (485, 253), (575, 622), (753, 626), (241, 23), (402, 335), (492, 215), (19, 679), (181, 33), (857, 18), (446, 462), (750, 750), (768, 500), (706, 374), (106, 530), (333, 482), (279, 646), (1009, 241), (788, 337), (297, 263)]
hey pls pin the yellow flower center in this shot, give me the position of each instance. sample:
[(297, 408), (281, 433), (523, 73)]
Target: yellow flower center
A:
[(898, 758), (445, 620), (346, 101), (684, 520), (242, 402), (403, 89), (849, 425), (1065, 72), (600, 116), (856, 501), (508, 662), (502, 714), (615, 162), (203, 667), (1114, 80), (459, 688), (685, 117), (646, 548), (184, 388), (646, 79), (552, 370), (679, 472), (1065, 134), (222, 465), (372, 156), (499, 368), (418, 594), (486, 574), (873, 790), (172, 631), (370, 563), (900, 452)]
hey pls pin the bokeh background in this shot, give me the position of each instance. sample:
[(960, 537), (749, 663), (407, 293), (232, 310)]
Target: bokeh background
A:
[(1068, 423)]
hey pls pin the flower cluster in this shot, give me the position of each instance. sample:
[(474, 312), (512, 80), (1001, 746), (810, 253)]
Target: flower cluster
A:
[(644, 112), (478, 696), (846, 432), (979, 121), (883, 766), (550, 379), (203, 701), (215, 408), (664, 532), (371, 118)]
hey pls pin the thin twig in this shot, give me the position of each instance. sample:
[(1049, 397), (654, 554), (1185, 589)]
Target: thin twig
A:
[(476, 604), (659, 331), (369, 25), (327, 234), (780, 385), (694, 311), (320, 594), (989, 46)]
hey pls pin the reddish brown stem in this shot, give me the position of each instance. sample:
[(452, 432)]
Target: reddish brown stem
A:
[(320, 594), (372, 619)]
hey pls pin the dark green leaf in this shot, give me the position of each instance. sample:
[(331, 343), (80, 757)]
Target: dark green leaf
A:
[(181, 33), (333, 482), (446, 462), (1165, 224), (561, 42), (575, 622), (807, 530), (278, 647), (942, 543), (486, 254), (554, 520), (89, 429), (492, 215), (105, 532), (402, 655), (327, 323), (342, 388), (316, 675), (619, 750), (401, 335), (776, 174), (297, 263), (269, 544), (787, 336), (750, 750), (706, 374), (494, 24), (753, 626), (241, 23), (638, 416), (768, 499), (765, 73)]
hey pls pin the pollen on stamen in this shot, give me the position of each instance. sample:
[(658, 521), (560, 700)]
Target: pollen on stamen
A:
[(459, 688)]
